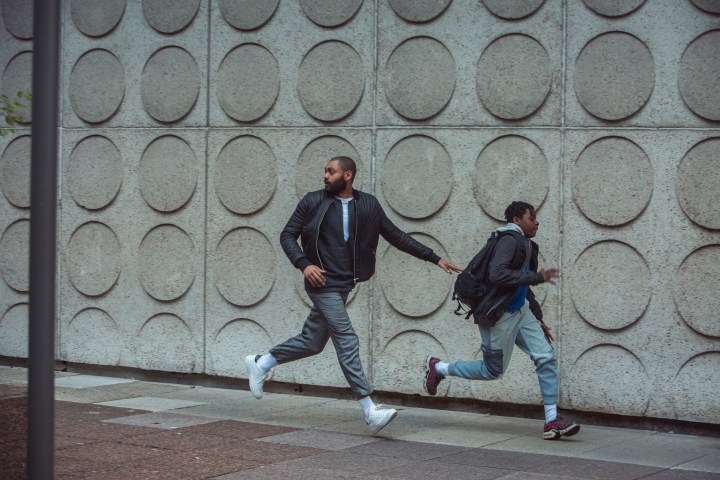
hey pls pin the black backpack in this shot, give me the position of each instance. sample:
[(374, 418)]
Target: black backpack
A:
[(472, 283)]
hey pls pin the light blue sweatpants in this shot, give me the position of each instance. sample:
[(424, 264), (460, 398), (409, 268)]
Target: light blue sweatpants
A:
[(519, 328)]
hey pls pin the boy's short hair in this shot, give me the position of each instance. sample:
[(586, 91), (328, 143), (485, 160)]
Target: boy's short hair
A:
[(517, 209)]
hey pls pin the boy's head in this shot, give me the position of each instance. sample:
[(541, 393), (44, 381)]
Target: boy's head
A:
[(522, 214)]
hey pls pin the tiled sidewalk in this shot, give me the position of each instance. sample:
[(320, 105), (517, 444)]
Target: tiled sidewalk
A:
[(124, 429)]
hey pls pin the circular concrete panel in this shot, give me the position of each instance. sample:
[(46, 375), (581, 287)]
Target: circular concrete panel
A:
[(244, 265), (18, 17), (698, 178), (416, 176), (331, 81), (15, 171), (247, 14), (315, 156), (709, 6), (96, 86), (513, 9), (95, 172), (698, 75), (239, 335), (170, 84), (696, 289), (93, 337), (606, 389), (419, 11), (330, 13), (166, 262), (17, 77), (420, 78), (695, 386), (508, 169), (612, 181), (245, 175), (248, 82), (514, 76), (413, 287), (613, 8), (614, 76), (398, 363), (93, 259), (94, 18), (168, 173), (170, 16), (610, 285), (166, 343), (15, 255), (14, 328)]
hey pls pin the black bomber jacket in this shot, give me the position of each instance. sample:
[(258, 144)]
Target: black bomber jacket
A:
[(370, 223)]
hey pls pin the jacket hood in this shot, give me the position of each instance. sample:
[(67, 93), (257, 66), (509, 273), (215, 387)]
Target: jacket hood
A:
[(510, 227)]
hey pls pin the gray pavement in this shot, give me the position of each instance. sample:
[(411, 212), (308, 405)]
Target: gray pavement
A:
[(109, 427)]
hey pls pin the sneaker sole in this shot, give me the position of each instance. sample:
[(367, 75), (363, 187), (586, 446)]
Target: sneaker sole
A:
[(383, 424), (426, 366), (555, 434)]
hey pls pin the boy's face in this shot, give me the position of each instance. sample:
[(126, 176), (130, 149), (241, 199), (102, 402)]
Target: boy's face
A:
[(528, 223)]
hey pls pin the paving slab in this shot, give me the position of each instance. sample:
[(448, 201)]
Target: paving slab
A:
[(431, 470), (643, 452), (320, 439), (707, 463), (584, 468), (151, 404), (402, 449), (346, 465), (118, 391), (277, 472), (462, 435), (164, 420), (88, 381)]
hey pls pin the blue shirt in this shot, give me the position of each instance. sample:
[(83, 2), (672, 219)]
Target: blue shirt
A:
[(518, 300)]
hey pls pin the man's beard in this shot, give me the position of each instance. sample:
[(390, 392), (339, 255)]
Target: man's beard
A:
[(335, 187)]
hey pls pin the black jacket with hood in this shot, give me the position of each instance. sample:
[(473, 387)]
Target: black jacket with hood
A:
[(371, 222), (507, 271)]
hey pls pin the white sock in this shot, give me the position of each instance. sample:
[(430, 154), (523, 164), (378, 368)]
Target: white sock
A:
[(266, 362), (442, 368), (366, 403), (550, 413)]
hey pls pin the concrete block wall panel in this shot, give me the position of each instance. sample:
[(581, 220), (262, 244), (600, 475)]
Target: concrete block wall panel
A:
[(132, 248), (190, 130), (16, 69), (255, 297)]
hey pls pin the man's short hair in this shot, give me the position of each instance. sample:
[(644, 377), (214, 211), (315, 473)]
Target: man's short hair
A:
[(346, 163), (517, 209)]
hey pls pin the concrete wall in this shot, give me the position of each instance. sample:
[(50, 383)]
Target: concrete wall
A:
[(190, 129)]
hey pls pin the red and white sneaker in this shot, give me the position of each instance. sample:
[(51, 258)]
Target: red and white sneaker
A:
[(432, 378), (560, 428)]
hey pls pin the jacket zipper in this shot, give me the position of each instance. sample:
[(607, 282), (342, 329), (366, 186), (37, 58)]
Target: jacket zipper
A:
[(317, 234), (355, 278)]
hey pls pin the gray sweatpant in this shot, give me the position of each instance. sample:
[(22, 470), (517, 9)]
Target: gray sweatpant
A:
[(328, 319)]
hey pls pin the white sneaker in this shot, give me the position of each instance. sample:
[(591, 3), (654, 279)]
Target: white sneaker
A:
[(256, 377), (378, 417)]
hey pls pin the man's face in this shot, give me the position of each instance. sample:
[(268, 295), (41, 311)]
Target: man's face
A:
[(336, 179), (528, 223)]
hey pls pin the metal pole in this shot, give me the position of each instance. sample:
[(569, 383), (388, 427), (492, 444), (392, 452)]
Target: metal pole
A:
[(43, 186)]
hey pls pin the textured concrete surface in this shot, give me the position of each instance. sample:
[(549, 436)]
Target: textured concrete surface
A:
[(189, 131), (126, 441)]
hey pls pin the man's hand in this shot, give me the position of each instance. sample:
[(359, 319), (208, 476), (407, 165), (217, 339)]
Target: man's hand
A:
[(546, 330), (448, 267), (550, 274), (315, 275)]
